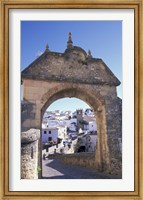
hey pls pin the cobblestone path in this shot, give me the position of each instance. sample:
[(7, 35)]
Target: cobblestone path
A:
[(54, 169)]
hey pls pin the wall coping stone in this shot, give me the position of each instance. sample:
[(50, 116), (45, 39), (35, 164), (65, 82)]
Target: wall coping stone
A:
[(30, 136)]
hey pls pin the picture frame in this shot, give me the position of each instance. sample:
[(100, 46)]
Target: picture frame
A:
[(4, 100)]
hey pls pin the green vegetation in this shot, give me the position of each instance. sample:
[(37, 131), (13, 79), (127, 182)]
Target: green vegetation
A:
[(39, 169)]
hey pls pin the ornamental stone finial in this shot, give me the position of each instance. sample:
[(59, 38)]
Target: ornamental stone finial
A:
[(69, 42), (47, 48), (89, 54)]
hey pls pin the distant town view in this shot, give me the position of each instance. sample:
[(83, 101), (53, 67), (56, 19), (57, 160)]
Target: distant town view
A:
[(67, 132), (64, 131)]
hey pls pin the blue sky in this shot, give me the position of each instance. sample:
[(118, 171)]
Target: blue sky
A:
[(68, 104), (103, 38)]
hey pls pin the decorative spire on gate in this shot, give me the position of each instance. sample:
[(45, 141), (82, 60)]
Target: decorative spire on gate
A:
[(89, 54), (69, 42), (47, 47)]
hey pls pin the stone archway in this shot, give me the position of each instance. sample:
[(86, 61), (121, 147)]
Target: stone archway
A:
[(98, 105), (75, 74)]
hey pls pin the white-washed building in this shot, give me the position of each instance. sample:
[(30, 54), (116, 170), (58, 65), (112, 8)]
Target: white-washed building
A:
[(53, 134), (62, 132), (50, 134), (53, 123), (92, 126)]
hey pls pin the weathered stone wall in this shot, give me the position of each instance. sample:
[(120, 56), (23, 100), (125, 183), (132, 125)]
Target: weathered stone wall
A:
[(114, 130), (29, 154), (79, 159)]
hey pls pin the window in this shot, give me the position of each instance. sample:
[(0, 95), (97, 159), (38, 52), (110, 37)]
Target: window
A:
[(45, 132), (50, 139), (49, 132)]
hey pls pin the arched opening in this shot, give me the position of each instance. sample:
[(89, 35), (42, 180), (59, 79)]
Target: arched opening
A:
[(100, 160), (93, 101)]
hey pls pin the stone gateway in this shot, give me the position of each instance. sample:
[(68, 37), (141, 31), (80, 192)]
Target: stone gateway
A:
[(76, 73)]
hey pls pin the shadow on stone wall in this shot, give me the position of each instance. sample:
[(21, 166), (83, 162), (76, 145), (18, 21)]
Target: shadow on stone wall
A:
[(28, 110)]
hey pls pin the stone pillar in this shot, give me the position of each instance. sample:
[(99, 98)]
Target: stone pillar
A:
[(102, 160), (108, 156), (114, 133), (29, 154)]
